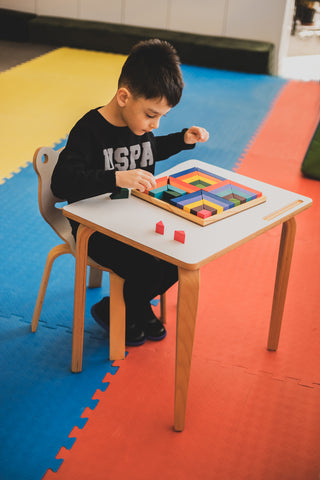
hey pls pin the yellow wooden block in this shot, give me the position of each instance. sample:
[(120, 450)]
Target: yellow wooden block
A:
[(188, 207), (195, 178), (214, 205)]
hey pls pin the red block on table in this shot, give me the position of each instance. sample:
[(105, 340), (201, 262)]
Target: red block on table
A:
[(160, 228), (179, 236)]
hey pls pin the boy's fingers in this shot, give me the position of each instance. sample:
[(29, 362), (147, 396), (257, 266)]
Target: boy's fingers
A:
[(145, 180), (197, 134), (203, 135)]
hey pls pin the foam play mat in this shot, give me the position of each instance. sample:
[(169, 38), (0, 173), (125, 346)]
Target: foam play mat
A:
[(252, 414)]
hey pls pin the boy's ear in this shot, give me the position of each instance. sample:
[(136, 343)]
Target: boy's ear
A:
[(123, 95)]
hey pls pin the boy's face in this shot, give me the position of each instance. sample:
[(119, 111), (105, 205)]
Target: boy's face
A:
[(142, 115)]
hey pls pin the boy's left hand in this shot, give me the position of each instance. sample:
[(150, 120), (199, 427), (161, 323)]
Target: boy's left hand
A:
[(196, 134)]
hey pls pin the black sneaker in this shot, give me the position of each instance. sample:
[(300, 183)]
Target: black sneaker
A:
[(154, 330), (100, 313), (135, 335)]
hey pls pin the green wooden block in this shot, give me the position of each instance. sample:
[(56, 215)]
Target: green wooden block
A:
[(122, 193), (235, 201)]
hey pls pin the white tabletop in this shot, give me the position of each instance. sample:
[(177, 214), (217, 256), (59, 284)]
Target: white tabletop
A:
[(134, 220)]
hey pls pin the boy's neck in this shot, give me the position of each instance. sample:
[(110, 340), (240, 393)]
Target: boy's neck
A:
[(112, 113)]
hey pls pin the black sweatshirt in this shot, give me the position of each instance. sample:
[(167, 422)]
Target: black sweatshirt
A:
[(96, 150)]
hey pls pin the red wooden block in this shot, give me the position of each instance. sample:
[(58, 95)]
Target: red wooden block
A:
[(179, 236), (204, 213), (160, 228)]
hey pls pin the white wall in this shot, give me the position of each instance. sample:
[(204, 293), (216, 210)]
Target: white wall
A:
[(268, 20)]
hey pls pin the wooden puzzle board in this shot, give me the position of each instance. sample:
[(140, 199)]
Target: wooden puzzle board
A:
[(201, 196)]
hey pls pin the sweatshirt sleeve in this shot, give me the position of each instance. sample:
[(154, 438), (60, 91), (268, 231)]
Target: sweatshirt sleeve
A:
[(168, 145), (79, 173)]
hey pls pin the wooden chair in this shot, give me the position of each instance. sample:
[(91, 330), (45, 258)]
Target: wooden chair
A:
[(44, 161)]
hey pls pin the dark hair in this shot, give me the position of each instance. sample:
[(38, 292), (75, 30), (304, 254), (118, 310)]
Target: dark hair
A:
[(152, 70)]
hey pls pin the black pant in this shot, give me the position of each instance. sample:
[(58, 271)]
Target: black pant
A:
[(145, 276)]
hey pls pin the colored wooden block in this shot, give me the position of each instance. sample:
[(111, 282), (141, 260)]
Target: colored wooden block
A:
[(200, 184), (247, 189), (231, 198), (195, 210), (217, 207), (158, 192), (204, 213), (237, 197), (179, 236), (214, 186), (189, 206), (176, 189), (161, 181), (190, 179), (211, 175), (184, 172), (160, 228), (185, 199), (169, 195), (219, 189), (183, 185), (209, 178), (211, 196), (218, 200), (122, 193), (187, 178)]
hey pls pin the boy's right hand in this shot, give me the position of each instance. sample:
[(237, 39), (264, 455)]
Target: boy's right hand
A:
[(138, 179)]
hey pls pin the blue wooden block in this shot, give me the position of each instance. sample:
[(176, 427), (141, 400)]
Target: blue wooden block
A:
[(186, 199), (225, 204), (213, 175), (184, 172), (222, 191), (244, 193), (157, 192)]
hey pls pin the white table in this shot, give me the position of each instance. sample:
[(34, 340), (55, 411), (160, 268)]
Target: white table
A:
[(133, 222)]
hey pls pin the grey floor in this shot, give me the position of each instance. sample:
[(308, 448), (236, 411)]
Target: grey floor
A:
[(14, 53)]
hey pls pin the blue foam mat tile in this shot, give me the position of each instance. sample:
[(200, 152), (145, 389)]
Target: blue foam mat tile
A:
[(231, 106), (42, 400)]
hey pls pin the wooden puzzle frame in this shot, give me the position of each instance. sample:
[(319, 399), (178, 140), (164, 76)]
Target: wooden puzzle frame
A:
[(201, 196)]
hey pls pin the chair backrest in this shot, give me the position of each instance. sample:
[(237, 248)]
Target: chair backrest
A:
[(44, 161)]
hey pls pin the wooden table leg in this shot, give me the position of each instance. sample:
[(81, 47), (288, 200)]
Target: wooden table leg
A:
[(188, 295), (282, 277), (117, 350), (83, 235)]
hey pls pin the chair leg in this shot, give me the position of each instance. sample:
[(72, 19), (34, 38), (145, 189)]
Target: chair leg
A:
[(117, 318), (54, 253), (163, 308), (95, 277)]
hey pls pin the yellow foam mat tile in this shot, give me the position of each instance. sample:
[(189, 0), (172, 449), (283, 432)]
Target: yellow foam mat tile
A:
[(43, 98)]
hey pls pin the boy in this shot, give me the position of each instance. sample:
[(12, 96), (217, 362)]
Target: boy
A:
[(113, 147)]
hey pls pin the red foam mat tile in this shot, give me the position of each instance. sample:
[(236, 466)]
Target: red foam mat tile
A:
[(253, 426)]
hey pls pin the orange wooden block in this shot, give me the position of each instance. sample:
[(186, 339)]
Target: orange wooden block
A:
[(183, 185), (161, 182)]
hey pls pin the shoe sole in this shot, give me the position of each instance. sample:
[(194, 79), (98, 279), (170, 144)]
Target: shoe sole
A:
[(156, 339), (136, 344)]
